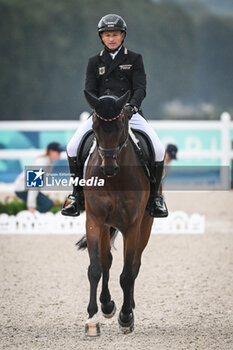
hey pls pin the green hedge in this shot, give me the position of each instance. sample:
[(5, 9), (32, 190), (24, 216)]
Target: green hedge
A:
[(15, 205), (45, 46)]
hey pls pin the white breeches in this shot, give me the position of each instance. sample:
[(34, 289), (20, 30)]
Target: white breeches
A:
[(137, 122)]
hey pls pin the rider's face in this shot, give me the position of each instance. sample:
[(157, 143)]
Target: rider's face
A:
[(112, 39)]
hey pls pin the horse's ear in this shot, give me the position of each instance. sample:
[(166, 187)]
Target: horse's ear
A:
[(91, 99), (121, 101)]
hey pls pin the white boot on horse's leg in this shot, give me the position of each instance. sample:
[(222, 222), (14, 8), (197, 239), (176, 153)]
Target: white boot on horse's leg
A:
[(77, 204), (92, 327)]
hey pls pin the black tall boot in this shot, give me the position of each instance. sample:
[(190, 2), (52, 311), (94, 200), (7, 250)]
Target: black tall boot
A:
[(156, 205), (77, 204)]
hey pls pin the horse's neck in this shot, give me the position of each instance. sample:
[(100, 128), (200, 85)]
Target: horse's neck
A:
[(128, 155)]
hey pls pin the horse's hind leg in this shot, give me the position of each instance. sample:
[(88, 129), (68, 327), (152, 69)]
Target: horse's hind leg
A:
[(94, 274), (107, 305)]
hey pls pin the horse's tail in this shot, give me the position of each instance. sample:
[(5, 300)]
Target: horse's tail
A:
[(82, 243)]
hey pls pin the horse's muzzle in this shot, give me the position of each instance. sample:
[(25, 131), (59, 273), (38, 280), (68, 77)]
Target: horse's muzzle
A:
[(110, 170)]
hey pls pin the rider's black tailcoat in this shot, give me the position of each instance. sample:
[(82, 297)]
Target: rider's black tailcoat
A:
[(107, 76)]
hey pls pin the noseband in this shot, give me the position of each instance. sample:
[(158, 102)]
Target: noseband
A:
[(114, 151)]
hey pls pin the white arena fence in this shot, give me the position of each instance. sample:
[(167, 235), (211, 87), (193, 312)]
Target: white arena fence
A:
[(224, 125), (25, 222), (194, 151)]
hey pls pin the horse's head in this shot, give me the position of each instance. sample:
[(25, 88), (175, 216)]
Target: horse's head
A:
[(110, 125)]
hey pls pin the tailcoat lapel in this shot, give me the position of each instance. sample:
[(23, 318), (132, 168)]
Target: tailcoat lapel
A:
[(120, 57), (105, 58)]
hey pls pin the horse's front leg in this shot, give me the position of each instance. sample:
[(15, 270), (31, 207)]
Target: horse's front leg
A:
[(127, 278), (93, 231), (107, 305), (145, 230)]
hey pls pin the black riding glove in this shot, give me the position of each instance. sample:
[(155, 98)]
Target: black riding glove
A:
[(130, 110)]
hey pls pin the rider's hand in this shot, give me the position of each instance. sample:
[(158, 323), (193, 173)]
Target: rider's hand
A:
[(32, 210), (130, 110)]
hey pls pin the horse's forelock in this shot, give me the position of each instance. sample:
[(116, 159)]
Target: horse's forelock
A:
[(108, 108)]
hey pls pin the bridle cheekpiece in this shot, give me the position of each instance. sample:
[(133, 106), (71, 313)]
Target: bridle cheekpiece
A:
[(111, 152)]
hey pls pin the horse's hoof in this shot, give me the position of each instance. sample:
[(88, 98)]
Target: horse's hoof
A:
[(126, 322), (108, 309), (92, 329)]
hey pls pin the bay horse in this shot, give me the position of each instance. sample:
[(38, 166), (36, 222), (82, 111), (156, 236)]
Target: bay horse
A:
[(120, 204)]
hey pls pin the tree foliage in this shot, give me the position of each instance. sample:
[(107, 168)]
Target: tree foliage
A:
[(214, 61), (45, 46)]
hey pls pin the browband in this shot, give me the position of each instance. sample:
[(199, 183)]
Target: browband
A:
[(109, 120)]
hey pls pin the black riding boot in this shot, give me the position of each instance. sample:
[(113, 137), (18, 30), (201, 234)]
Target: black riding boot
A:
[(156, 205), (77, 204)]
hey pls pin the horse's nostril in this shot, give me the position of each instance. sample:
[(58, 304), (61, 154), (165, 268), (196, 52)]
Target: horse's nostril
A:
[(109, 171)]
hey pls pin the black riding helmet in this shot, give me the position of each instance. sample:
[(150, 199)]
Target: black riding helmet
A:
[(111, 22)]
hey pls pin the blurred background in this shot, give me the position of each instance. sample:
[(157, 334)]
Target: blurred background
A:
[(186, 46), (187, 50)]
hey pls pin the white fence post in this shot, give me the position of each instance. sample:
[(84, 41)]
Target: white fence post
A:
[(225, 148), (226, 141)]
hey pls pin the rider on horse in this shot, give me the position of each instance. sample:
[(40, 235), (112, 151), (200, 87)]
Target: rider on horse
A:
[(114, 71)]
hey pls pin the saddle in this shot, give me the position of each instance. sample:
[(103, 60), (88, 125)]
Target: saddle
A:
[(145, 151), (140, 142), (85, 146)]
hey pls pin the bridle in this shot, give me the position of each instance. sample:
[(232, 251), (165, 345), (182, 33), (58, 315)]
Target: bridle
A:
[(109, 120), (114, 151)]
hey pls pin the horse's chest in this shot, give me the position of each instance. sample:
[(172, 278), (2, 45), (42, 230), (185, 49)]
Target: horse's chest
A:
[(123, 211), (118, 209)]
